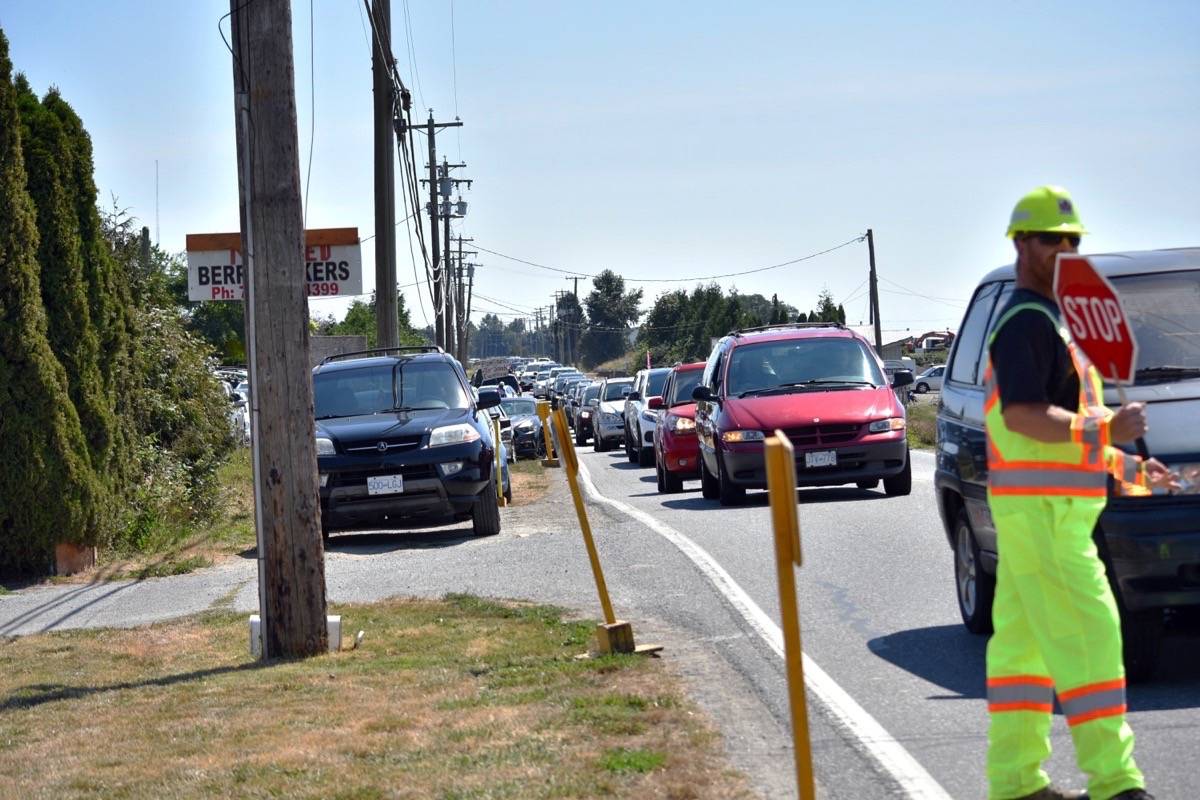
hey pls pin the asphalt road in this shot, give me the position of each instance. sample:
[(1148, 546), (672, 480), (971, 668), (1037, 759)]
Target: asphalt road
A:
[(878, 615), (877, 605)]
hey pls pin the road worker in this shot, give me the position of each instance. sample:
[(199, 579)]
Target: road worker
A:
[(1050, 452)]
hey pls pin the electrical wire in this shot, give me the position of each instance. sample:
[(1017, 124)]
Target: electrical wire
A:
[(454, 77), (955, 301), (412, 53), (787, 263)]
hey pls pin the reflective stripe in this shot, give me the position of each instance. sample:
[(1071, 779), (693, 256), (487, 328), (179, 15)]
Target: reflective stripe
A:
[(1105, 699), (1020, 693), (1044, 478), (1090, 431)]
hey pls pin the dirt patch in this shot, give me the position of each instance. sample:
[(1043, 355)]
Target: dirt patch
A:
[(530, 482)]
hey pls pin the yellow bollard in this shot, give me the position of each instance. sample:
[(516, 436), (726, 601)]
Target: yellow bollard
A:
[(781, 483), (499, 465), (543, 412), (614, 636)]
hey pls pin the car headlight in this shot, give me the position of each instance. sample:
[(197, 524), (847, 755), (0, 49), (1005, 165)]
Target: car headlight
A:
[(683, 425), (525, 425), (610, 418), (585, 414), (730, 437), (325, 446), (650, 416), (885, 425), (453, 434)]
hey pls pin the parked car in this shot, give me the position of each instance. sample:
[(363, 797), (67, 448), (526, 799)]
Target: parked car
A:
[(608, 422), (401, 442), (930, 380), (589, 407), (638, 418), (526, 426), (676, 451), (506, 431), (824, 387), (1150, 544)]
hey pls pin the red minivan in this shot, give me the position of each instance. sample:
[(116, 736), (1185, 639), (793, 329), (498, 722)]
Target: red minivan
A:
[(676, 454), (824, 387)]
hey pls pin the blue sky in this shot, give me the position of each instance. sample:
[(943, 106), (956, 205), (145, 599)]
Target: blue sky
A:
[(673, 139)]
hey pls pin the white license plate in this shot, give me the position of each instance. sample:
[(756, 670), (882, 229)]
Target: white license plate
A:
[(820, 458), (385, 484)]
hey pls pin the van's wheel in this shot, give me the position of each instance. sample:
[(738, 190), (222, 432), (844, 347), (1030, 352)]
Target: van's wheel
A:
[(485, 517), (658, 478), (976, 589), (671, 481), (729, 493), (600, 445), (580, 438), (709, 488), (899, 485), (921, 388)]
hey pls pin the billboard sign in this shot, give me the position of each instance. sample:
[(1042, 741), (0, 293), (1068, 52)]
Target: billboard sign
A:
[(332, 264)]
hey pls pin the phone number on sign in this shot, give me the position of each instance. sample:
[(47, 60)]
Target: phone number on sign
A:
[(322, 289)]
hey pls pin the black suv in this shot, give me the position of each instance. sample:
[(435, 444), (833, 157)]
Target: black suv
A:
[(402, 443), (1150, 544)]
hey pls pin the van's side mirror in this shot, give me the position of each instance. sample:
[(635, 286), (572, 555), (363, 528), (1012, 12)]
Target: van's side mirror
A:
[(702, 392), (488, 398), (595, 401), (654, 403), (633, 396), (902, 377)]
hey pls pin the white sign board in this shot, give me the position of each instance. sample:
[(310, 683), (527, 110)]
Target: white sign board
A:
[(332, 264)]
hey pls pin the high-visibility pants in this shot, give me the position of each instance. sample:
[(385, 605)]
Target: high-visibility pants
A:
[(1057, 629)]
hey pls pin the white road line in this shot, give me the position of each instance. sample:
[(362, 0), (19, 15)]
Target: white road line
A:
[(876, 742)]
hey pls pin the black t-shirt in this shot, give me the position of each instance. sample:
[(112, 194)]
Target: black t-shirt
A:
[(1029, 359)]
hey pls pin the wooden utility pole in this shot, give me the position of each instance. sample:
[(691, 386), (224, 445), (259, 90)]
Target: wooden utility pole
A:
[(287, 504), (387, 326), (874, 294)]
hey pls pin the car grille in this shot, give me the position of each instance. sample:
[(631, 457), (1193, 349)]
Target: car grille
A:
[(394, 444), (819, 435)]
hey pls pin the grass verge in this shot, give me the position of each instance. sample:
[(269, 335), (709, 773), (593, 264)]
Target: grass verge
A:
[(530, 482), (922, 425), (231, 532), (461, 698)]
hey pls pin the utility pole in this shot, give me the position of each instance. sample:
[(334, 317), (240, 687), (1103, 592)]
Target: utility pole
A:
[(466, 329), (287, 505), (387, 328), (875, 295), (461, 316)]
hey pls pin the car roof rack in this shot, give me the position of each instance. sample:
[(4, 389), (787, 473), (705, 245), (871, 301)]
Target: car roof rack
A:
[(382, 351), (785, 325)]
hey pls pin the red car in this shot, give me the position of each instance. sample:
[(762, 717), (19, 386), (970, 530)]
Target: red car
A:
[(824, 387), (676, 453)]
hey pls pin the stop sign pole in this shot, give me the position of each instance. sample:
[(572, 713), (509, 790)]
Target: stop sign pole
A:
[(1098, 323)]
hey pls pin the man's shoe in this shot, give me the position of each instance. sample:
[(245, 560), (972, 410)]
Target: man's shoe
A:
[(1054, 793), (1134, 794)]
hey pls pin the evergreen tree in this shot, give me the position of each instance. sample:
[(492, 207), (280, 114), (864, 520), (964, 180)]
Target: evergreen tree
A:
[(611, 310), (48, 492), (48, 164)]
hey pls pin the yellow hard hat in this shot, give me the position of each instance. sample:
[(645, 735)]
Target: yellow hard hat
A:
[(1045, 209)]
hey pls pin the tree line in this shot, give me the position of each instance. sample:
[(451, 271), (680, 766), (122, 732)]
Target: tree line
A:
[(111, 423)]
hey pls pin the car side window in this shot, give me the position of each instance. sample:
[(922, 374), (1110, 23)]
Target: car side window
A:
[(968, 347), (1006, 290)]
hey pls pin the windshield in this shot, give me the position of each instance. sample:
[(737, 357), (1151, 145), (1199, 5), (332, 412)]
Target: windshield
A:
[(615, 391), (518, 407), (591, 392), (685, 382), (795, 362), (1164, 309), (386, 387), (654, 385)]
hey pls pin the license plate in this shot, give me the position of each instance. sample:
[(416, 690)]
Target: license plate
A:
[(385, 484), (820, 458)]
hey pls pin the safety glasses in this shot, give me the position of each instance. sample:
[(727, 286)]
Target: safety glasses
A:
[(1052, 239)]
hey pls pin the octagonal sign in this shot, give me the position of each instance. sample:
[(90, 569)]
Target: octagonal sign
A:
[(1093, 312)]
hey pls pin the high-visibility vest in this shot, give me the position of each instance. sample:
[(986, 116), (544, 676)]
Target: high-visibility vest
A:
[(1019, 466)]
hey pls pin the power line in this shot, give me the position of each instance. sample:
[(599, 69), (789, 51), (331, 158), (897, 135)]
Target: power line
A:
[(692, 279)]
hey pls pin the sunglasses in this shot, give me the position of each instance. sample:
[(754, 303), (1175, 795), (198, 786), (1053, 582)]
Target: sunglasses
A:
[(1052, 239)]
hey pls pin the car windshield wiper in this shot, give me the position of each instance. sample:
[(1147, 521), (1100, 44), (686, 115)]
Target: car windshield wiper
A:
[(1168, 371), (411, 408), (794, 385)]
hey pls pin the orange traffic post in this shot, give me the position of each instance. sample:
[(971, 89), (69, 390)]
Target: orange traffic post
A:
[(613, 636), (499, 465), (543, 412), (781, 483)]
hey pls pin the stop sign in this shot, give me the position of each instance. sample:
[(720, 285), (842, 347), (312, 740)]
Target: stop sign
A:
[(1094, 315)]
